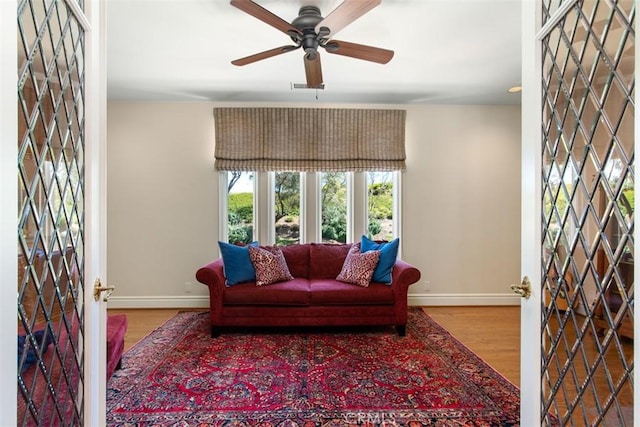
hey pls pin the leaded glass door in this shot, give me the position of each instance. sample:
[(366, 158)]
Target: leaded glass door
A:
[(584, 150), (60, 336)]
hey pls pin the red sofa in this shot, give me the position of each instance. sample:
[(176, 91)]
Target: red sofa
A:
[(312, 298)]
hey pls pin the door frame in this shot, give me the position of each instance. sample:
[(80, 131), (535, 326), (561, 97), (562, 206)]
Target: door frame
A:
[(8, 212), (95, 213), (531, 207)]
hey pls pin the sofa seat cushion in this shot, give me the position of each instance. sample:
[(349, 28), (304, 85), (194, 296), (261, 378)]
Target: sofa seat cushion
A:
[(116, 330), (332, 292), (292, 292)]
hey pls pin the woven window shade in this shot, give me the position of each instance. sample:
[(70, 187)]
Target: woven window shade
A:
[(308, 139)]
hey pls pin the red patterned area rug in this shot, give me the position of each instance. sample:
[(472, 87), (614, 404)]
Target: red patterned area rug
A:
[(180, 376)]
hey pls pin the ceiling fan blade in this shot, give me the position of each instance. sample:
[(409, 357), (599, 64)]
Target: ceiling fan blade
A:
[(347, 12), (265, 16), (264, 55), (359, 51), (313, 70)]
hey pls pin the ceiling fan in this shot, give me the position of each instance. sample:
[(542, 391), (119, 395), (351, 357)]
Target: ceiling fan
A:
[(310, 31)]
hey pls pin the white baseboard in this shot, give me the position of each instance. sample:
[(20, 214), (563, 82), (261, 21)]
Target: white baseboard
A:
[(194, 301), (425, 299)]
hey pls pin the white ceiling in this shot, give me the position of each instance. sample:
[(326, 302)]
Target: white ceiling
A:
[(446, 52)]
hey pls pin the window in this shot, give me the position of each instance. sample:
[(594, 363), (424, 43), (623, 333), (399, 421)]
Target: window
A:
[(380, 205), (294, 207), (287, 207), (333, 194), (239, 195)]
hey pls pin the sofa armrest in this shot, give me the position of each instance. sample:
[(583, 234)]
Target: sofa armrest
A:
[(212, 275), (404, 275)]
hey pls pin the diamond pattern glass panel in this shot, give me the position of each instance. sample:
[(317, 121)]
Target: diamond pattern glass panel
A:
[(588, 196), (51, 211)]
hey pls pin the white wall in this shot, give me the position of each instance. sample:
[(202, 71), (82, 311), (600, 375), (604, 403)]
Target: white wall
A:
[(162, 217), (461, 202)]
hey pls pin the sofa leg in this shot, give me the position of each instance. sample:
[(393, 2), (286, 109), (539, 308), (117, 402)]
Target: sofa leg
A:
[(215, 332), (402, 330)]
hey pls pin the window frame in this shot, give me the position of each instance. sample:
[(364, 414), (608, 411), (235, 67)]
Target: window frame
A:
[(310, 206)]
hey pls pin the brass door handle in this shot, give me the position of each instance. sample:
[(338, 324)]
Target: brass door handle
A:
[(523, 289), (98, 289)]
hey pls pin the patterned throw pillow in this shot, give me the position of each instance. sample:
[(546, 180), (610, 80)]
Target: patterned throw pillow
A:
[(358, 267), (270, 265)]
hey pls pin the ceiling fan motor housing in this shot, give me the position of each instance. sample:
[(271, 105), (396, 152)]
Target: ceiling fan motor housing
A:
[(308, 18)]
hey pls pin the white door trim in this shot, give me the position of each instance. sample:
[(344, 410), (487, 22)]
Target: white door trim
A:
[(530, 321), (95, 214), (8, 211)]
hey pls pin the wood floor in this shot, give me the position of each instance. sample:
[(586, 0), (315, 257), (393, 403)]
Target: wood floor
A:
[(493, 333)]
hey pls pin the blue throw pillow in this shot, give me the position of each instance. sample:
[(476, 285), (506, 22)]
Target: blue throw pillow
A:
[(388, 255), (237, 264)]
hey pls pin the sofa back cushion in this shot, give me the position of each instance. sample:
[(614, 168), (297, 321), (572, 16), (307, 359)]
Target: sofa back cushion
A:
[(297, 257), (326, 259)]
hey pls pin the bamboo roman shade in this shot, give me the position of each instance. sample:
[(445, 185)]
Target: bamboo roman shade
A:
[(309, 139)]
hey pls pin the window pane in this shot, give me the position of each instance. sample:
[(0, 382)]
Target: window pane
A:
[(240, 207), (334, 207), (380, 200), (287, 207)]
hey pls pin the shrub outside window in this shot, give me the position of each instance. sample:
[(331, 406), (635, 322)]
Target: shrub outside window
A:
[(380, 205), (287, 207), (334, 206)]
